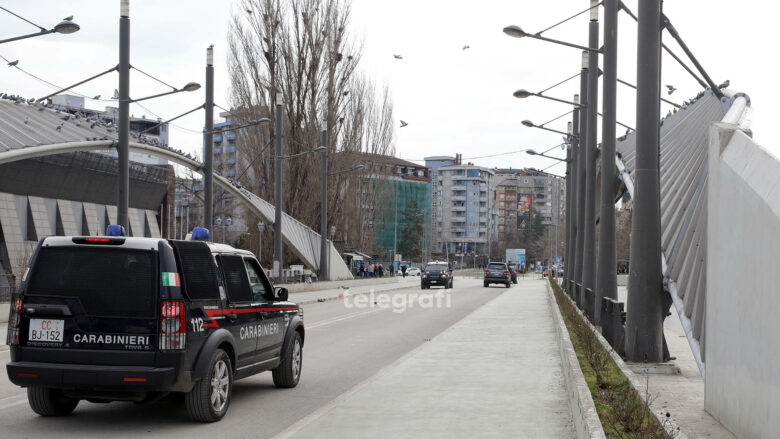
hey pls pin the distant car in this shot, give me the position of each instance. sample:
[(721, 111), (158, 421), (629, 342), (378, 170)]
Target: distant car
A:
[(436, 273), (513, 273), (497, 273), (414, 271)]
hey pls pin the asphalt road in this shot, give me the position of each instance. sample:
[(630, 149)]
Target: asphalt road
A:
[(344, 347)]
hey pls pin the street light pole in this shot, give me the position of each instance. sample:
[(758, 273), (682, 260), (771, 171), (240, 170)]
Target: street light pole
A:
[(123, 144), (589, 246), (277, 268), (571, 196), (208, 141), (606, 280), (324, 269), (582, 152), (645, 313), (260, 228)]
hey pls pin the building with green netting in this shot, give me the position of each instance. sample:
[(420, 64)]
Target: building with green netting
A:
[(406, 208)]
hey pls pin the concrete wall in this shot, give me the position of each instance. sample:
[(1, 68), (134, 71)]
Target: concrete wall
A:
[(742, 383)]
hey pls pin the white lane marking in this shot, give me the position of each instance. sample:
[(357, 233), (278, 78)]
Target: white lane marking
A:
[(342, 318), (19, 399)]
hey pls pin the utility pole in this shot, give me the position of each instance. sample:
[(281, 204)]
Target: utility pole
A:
[(589, 246), (571, 196), (208, 143), (645, 313), (324, 273), (123, 144), (581, 171), (606, 280), (278, 262), (395, 222)]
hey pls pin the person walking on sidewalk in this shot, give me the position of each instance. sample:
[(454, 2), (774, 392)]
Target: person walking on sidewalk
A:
[(403, 270), (370, 269)]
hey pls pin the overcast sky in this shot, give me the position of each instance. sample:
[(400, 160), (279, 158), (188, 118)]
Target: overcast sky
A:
[(454, 100)]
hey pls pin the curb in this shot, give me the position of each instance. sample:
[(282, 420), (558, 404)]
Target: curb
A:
[(328, 299), (669, 424), (583, 409)]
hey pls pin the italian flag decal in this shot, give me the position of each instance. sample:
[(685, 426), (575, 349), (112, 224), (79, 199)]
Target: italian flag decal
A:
[(171, 280)]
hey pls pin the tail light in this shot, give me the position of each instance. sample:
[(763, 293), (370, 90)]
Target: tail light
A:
[(12, 338), (173, 327), (487, 271), (506, 272)]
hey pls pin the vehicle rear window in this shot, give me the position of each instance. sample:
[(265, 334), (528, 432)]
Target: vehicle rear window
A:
[(107, 281), (497, 267)]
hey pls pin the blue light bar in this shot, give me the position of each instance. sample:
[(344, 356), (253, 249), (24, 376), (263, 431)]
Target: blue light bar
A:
[(201, 234), (115, 230)]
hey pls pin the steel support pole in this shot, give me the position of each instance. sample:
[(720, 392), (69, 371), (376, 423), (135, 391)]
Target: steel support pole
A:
[(583, 131), (606, 280), (571, 196), (324, 273), (208, 143), (123, 144), (589, 247), (644, 316), (279, 204)]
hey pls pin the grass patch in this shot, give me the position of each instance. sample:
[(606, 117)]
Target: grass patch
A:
[(623, 413)]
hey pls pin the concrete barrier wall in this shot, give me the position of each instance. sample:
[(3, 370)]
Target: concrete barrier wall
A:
[(5, 308), (742, 330)]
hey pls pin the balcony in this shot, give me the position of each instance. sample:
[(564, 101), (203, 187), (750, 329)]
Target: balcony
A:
[(217, 139), (458, 188), (458, 198), (231, 136), (458, 208), (458, 230)]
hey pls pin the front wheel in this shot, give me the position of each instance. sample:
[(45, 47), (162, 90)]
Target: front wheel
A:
[(288, 372), (50, 402), (208, 401)]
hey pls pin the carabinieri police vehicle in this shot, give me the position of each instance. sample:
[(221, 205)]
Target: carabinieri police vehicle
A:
[(115, 318)]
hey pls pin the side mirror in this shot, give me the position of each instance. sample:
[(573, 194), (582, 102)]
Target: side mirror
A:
[(281, 294)]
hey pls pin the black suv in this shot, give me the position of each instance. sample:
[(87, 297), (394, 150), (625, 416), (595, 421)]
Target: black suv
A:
[(134, 319), (436, 273), (497, 273)]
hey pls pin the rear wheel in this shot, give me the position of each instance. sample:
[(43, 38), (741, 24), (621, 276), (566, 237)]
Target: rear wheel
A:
[(50, 402), (288, 372), (508, 284), (485, 284), (208, 401)]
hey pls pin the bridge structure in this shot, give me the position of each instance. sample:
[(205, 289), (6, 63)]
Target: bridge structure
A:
[(29, 131)]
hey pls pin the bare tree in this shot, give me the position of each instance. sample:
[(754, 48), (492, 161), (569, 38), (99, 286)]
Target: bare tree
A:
[(302, 49)]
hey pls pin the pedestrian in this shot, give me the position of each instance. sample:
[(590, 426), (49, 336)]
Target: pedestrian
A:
[(362, 271), (381, 271), (403, 270), (392, 269), (370, 269)]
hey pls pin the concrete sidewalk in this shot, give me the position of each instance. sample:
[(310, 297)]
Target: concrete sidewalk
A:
[(496, 373)]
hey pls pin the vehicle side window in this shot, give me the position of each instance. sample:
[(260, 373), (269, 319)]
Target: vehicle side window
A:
[(261, 288), (236, 281)]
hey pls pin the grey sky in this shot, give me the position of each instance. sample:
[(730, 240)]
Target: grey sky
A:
[(454, 100)]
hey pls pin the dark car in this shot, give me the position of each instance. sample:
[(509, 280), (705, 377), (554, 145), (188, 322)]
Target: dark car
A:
[(497, 273), (436, 273), (133, 319), (512, 273)]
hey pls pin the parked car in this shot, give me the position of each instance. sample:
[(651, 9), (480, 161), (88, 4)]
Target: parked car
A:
[(114, 318), (497, 273), (414, 271), (436, 273)]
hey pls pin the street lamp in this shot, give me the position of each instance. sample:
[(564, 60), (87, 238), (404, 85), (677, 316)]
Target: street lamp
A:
[(522, 94), (530, 124), (190, 86), (517, 32), (532, 152), (64, 27)]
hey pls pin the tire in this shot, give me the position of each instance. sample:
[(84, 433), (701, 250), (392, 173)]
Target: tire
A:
[(485, 284), (50, 402), (508, 284), (198, 401), (287, 374)]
